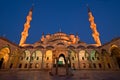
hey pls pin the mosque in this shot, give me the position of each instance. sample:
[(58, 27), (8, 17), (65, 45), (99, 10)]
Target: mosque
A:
[(60, 52)]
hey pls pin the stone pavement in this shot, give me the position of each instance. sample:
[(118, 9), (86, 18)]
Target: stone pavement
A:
[(45, 75)]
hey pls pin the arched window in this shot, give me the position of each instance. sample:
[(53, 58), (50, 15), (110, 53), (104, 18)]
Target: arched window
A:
[(4, 55), (20, 65), (36, 65), (94, 65), (25, 65), (115, 51), (11, 65), (48, 59), (48, 54), (100, 66), (92, 55), (37, 55), (109, 66), (26, 55), (83, 55), (72, 54)]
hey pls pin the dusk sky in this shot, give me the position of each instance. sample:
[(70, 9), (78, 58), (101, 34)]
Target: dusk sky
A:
[(49, 16)]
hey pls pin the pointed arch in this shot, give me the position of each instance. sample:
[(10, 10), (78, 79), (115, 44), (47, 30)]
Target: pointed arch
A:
[(61, 60), (48, 59), (83, 59), (83, 54), (48, 53), (26, 55), (73, 59), (37, 54), (36, 59), (114, 50), (4, 56), (4, 53)]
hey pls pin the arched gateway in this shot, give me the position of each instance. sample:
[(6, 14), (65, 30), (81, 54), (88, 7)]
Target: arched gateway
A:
[(61, 61)]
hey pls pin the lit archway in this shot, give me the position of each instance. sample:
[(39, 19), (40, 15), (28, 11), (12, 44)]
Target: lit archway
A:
[(37, 58), (47, 59), (27, 55), (4, 55), (61, 60), (115, 51), (73, 59)]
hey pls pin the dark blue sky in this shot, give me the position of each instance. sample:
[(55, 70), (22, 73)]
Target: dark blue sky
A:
[(51, 15)]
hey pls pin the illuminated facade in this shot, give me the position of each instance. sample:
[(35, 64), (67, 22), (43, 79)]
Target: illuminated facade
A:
[(55, 51), (59, 51)]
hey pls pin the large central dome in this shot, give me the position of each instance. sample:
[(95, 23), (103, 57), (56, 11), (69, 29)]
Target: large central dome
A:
[(60, 36)]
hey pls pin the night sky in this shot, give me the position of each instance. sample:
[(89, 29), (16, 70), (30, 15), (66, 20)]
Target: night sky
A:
[(49, 16)]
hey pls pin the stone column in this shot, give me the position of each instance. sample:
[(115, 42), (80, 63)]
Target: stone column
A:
[(66, 63), (78, 58), (42, 63), (56, 66)]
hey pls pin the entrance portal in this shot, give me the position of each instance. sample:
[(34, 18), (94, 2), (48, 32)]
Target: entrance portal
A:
[(61, 68), (61, 61), (61, 65)]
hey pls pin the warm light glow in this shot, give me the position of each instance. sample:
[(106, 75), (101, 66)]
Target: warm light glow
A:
[(61, 59), (95, 33), (4, 53), (24, 34)]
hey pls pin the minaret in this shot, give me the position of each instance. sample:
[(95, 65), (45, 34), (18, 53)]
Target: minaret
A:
[(95, 33), (24, 34)]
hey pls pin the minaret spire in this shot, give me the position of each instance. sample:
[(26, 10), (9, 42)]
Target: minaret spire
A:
[(24, 34), (95, 33), (60, 28)]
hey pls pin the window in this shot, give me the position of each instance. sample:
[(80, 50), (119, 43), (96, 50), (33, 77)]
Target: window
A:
[(37, 58), (98, 58), (84, 65), (27, 58), (47, 58), (109, 66), (20, 65), (36, 65), (82, 58), (30, 66), (100, 65), (72, 58), (92, 58), (11, 65), (94, 65), (89, 65), (46, 65), (25, 66), (32, 58)]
